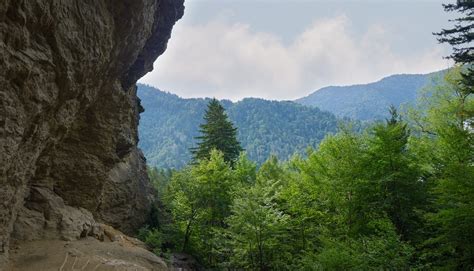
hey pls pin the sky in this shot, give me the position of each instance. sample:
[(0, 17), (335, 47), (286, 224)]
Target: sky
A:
[(287, 49)]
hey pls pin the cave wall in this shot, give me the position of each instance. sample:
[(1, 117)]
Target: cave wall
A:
[(69, 112)]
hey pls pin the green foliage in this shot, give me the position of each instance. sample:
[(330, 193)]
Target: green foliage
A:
[(461, 37), (397, 175), (381, 251), (200, 199), (169, 125), (217, 133), (153, 238), (279, 128), (453, 170), (448, 143), (256, 229), (245, 170), (159, 179), (338, 171), (398, 196)]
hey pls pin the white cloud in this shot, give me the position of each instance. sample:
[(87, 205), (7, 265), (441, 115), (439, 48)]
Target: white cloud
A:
[(228, 60)]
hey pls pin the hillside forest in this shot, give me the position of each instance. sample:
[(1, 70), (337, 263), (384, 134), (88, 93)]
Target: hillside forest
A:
[(169, 125), (395, 195)]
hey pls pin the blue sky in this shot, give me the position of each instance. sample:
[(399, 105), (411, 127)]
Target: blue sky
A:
[(286, 49)]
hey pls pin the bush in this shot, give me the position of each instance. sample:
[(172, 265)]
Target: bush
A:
[(153, 238)]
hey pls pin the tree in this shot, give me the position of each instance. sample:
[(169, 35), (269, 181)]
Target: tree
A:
[(338, 169), (382, 250), (184, 202), (200, 197), (393, 169), (450, 147), (257, 228), (301, 198), (346, 214), (461, 37), (245, 170), (217, 133)]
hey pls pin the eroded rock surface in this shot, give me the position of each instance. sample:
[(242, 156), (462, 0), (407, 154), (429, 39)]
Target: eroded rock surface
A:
[(69, 113), (115, 251)]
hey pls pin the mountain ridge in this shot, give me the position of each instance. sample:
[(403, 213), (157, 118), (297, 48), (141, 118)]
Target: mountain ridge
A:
[(369, 101), (170, 123)]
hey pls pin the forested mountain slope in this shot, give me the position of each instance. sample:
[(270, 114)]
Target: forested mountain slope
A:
[(370, 101), (170, 123)]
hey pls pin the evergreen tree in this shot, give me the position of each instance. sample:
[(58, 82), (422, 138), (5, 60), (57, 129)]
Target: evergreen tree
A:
[(450, 146), (217, 133), (461, 37), (454, 163), (395, 171)]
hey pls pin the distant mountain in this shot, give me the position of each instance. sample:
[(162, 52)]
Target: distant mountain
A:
[(369, 101), (170, 123)]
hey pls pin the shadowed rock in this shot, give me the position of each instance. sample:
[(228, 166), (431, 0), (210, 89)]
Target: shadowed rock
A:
[(69, 113)]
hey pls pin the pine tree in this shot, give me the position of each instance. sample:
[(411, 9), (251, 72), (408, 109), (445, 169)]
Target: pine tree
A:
[(461, 37), (452, 152), (217, 133), (395, 171)]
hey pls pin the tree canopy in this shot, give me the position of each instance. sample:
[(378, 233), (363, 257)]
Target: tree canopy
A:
[(218, 133), (461, 37), (398, 195)]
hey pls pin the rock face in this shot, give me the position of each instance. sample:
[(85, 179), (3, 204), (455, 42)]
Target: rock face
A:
[(69, 113), (115, 251)]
